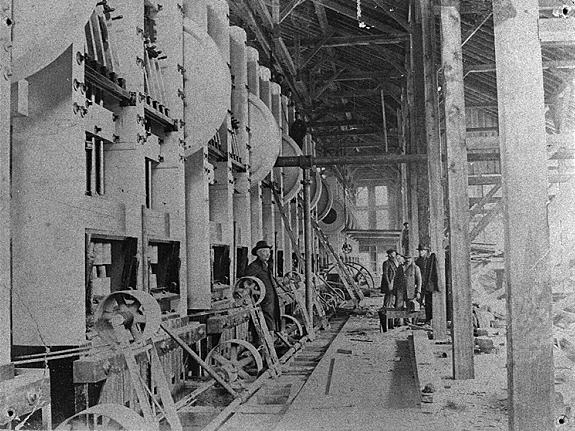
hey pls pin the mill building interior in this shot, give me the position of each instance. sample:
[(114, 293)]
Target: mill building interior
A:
[(146, 146)]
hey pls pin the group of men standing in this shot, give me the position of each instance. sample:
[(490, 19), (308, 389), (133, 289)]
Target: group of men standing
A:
[(406, 283)]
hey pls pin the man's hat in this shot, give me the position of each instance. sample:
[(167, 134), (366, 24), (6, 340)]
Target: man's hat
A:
[(422, 247), (391, 250), (259, 245)]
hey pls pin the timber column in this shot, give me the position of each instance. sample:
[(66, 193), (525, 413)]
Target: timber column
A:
[(462, 324), (5, 141), (435, 198), (522, 136)]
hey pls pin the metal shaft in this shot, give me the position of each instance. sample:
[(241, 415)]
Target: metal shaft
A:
[(307, 244)]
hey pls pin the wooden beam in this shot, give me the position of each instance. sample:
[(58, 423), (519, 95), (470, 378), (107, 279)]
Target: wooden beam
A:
[(360, 93), (384, 8), (351, 12), (325, 86), (460, 253), (287, 9), (345, 41), (260, 8), (321, 17), (485, 220), (478, 207), (435, 197), (316, 48), (530, 369), (556, 30), (490, 67), (348, 132), (5, 169)]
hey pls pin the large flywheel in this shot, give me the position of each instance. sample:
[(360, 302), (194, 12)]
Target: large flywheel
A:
[(128, 316), (247, 287), (105, 417), (236, 360)]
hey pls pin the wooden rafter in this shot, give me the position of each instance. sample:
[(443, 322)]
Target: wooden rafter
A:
[(351, 12), (337, 42), (384, 8), (325, 86), (287, 9), (316, 49), (321, 17)]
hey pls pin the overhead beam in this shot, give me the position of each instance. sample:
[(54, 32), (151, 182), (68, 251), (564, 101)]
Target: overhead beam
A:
[(490, 67), (552, 30), (316, 48), (380, 159), (384, 8), (287, 9), (351, 12), (339, 42), (318, 93)]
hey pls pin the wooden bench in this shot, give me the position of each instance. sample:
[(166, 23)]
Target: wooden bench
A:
[(388, 313)]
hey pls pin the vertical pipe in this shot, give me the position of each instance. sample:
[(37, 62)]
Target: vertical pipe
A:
[(307, 243)]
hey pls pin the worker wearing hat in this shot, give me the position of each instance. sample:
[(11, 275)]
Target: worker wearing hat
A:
[(261, 268), (388, 270), (427, 263)]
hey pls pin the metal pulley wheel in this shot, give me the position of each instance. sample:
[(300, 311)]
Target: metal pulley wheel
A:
[(291, 326), (249, 286), (293, 276), (128, 315), (106, 417), (235, 360)]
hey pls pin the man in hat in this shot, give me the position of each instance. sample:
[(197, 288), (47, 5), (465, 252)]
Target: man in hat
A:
[(388, 270), (427, 263), (412, 282), (260, 268)]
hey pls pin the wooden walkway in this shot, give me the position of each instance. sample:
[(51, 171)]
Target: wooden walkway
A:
[(365, 380)]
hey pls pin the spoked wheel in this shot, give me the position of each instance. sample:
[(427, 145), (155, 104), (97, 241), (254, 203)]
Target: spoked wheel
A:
[(292, 327), (323, 285), (328, 301), (246, 287), (294, 277), (361, 275), (105, 417), (128, 315), (236, 361)]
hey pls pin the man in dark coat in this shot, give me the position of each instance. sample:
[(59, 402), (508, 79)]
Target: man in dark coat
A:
[(388, 270), (260, 268), (427, 263)]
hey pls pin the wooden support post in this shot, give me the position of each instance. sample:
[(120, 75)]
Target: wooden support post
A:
[(462, 325), (5, 142), (436, 212), (417, 96), (522, 136)]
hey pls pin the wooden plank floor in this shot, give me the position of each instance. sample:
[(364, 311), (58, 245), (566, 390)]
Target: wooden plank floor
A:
[(364, 380)]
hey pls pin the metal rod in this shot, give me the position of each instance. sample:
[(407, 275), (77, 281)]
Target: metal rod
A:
[(307, 244)]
